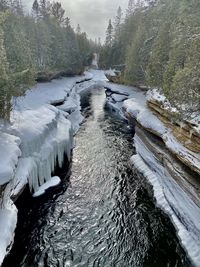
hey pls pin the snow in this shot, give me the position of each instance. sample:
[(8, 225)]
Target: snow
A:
[(149, 121), (8, 222), (195, 121), (110, 72), (43, 123), (171, 198), (157, 95), (10, 152), (54, 181)]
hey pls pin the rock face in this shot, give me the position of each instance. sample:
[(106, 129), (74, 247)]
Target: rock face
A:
[(114, 76), (185, 131)]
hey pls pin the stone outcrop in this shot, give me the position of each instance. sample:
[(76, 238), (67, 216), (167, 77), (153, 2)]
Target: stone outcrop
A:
[(185, 132)]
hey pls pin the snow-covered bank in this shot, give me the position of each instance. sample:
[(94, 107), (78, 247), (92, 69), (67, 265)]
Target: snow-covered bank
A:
[(171, 198), (40, 135), (174, 192)]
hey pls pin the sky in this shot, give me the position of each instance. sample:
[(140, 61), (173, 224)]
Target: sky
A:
[(92, 15)]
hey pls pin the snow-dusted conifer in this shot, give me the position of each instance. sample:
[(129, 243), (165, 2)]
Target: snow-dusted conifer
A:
[(109, 34)]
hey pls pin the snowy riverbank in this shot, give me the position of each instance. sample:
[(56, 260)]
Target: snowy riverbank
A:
[(176, 191), (43, 123)]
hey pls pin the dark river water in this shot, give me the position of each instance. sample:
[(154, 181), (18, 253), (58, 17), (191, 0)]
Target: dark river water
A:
[(103, 213)]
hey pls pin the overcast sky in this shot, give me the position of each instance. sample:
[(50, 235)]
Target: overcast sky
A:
[(92, 15)]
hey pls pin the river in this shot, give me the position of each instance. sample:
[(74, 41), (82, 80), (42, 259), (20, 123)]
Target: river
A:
[(103, 214)]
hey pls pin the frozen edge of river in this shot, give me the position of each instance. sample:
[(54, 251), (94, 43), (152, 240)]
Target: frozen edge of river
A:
[(170, 197), (42, 126)]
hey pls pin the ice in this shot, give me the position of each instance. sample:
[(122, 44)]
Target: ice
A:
[(54, 181), (8, 222), (9, 154), (118, 98)]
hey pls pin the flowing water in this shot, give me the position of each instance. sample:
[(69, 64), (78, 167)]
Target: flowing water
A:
[(103, 214)]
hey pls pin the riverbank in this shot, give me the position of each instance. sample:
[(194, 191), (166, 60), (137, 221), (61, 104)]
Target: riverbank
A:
[(36, 141), (171, 168)]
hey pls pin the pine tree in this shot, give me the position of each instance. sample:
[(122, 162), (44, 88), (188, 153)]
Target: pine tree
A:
[(109, 34), (35, 9), (4, 4), (44, 9), (117, 23), (67, 23), (58, 12), (78, 29), (17, 7), (131, 8)]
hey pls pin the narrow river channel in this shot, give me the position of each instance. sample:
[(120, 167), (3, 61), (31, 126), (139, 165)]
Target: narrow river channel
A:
[(103, 214)]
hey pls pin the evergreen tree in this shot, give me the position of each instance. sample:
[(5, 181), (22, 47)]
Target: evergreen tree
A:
[(117, 24), (67, 23), (17, 7), (131, 8), (4, 5), (35, 9), (58, 12), (44, 9), (78, 29), (109, 34)]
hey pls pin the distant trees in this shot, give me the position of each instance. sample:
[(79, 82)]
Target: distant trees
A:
[(158, 43), (41, 43)]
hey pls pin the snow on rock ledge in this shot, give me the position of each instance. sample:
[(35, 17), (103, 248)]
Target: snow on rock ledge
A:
[(186, 131), (170, 197), (149, 121)]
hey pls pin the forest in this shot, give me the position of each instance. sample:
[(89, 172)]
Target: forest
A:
[(157, 45), (36, 46), (155, 42)]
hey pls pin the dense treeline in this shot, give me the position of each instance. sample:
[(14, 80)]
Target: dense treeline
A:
[(159, 44), (36, 45)]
